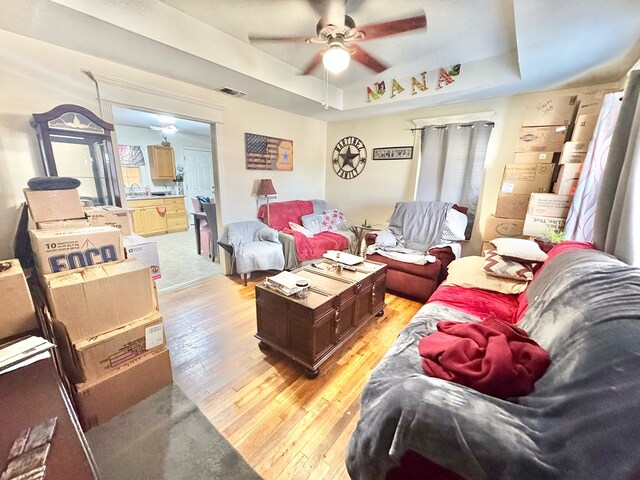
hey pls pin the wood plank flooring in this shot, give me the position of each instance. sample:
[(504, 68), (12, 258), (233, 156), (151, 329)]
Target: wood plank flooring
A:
[(285, 425)]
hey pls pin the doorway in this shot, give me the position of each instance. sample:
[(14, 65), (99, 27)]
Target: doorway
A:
[(197, 166), (163, 201)]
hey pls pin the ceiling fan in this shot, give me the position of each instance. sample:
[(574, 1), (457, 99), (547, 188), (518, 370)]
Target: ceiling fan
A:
[(339, 32)]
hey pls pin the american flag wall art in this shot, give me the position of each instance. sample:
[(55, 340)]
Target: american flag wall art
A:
[(268, 153)]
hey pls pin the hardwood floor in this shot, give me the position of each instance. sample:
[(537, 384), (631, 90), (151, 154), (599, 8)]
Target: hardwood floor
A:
[(285, 425)]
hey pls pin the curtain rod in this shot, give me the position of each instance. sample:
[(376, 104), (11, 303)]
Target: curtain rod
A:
[(487, 124)]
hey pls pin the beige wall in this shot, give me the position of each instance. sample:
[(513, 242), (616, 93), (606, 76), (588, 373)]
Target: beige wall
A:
[(372, 195), (36, 76)]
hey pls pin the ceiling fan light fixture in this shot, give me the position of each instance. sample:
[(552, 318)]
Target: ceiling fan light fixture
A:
[(166, 119), (336, 59)]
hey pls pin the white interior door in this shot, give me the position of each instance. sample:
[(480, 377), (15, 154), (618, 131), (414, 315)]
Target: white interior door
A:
[(198, 175)]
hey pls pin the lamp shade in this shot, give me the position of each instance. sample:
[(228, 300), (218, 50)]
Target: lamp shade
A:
[(266, 187)]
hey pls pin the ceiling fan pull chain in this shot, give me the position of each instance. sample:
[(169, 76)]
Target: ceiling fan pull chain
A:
[(325, 90)]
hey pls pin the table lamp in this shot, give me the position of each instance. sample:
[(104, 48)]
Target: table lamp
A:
[(266, 188)]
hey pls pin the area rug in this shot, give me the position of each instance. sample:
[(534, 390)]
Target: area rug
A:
[(165, 437)]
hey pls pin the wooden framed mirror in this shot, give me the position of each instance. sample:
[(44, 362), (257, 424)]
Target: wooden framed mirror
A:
[(74, 142)]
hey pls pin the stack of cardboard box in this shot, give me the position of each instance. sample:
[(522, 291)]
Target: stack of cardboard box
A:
[(547, 213), (525, 208), (544, 130), (104, 309)]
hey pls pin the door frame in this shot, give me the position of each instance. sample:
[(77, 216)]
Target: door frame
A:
[(112, 91), (213, 173)]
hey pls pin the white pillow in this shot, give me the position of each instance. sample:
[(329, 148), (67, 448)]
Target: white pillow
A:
[(519, 248), (454, 226), (299, 228), (385, 238)]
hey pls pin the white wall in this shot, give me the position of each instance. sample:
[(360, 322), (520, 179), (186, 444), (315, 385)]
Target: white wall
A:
[(37, 76), (372, 195), (144, 136)]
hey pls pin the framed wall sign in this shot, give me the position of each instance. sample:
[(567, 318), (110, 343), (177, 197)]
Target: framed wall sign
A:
[(393, 153)]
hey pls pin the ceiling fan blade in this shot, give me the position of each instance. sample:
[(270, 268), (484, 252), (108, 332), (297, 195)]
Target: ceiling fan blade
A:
[(261, 38), (315, 61), (384, 29), (360, 56)]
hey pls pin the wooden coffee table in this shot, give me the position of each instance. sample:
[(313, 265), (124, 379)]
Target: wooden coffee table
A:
[(309, 330)]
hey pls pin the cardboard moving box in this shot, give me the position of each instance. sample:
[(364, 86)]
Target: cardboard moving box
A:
[(550, 110), (98, 299), (549, 205), (144, 250), (591, 103), (569, 171), (584, 127), (537, 226), (541, 139), (512, 205), (502, 227), (566, 187), (109, 396), (63, 224), (58, 250), (533, 157), (17, 314), (110, 216), (91, 359), (51, 205), (526, 179)]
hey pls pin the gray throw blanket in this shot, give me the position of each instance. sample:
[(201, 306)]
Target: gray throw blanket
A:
[(581, 422), (420, 223)]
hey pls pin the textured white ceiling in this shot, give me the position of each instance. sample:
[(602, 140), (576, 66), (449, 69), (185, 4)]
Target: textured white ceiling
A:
[(458, 31), (138, 118)]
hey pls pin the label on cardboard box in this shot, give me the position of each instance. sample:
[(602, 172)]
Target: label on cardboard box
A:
[(58, 250), (541, 139), (527, 178), (533, 157), (144, 250), (549, 205), (154, 336), (550, 110), (572, 157), (538, 226)]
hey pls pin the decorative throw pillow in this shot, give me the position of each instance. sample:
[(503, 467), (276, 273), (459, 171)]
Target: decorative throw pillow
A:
[(520, 249), (332, 219), (313, 222), (498, 266), (468, 272), (454, 226), (299, 228)]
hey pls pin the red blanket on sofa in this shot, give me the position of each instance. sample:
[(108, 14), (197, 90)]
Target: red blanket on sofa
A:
[(309, 248), (281, 213), (491, 356)]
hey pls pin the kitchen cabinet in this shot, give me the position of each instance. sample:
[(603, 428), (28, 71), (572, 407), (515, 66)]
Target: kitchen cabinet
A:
[(161, 162), (153, 216)]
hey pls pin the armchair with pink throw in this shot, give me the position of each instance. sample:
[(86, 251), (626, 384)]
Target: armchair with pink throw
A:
[(307, 229), (421, 242)]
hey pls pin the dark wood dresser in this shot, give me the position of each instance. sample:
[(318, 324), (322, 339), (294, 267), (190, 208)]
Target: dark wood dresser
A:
[(33, 394), (311, 329)]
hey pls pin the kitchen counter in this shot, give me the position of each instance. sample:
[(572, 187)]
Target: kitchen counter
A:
[(152, 197)]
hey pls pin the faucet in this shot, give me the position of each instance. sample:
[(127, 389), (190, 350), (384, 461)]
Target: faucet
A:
[(133, 191)]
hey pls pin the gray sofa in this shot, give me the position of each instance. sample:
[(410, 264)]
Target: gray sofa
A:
[(581, 422)]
